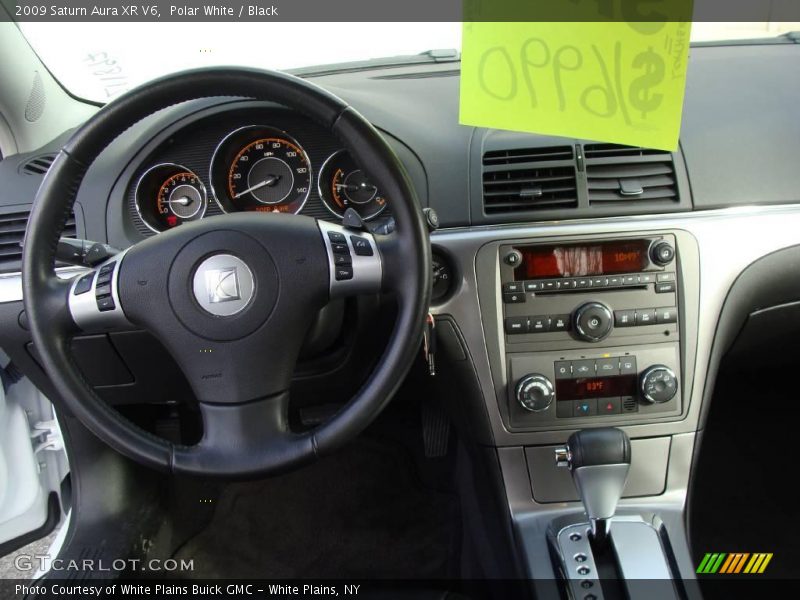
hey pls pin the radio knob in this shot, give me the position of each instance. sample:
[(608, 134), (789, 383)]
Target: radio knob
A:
[(658, 384), (593, 321), (535, 392), (662, 253)]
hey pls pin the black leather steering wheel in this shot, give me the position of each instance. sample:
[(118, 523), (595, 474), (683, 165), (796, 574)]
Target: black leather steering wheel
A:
[(231, 296)]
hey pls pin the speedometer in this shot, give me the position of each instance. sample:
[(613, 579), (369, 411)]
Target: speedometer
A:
[(260, 168)]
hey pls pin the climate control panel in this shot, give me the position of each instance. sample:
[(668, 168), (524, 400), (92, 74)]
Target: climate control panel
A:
[(629, 384)]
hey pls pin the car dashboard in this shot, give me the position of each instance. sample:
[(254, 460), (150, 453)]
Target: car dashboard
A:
[(576, 284)]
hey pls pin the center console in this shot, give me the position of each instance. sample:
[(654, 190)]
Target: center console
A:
[(591, 330)]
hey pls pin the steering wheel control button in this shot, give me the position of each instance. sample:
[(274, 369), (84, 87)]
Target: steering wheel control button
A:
[(336, 237), (105, 303), (340, 248), (223, 285), (662, 253), (344, 273), (84, 284), (342, 259), (361, 246), (593, 321), (658, 384), (535, 392)]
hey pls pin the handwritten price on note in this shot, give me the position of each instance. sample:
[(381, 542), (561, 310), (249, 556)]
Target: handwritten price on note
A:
[(601, 100), (605, 81)]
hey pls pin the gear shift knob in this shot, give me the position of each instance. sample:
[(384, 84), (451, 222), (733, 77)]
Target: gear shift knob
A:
[(598, 460)]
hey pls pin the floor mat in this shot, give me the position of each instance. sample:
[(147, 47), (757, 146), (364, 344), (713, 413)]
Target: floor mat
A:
[(358, 513)]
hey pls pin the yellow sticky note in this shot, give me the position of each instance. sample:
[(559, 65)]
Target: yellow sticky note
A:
[(607, 81)]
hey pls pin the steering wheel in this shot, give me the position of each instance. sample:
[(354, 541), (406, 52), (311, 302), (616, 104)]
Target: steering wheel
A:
[(230, 296)]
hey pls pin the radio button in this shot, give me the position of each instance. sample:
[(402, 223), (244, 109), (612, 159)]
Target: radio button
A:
[(646, 316), (563, 369), (665, 287), (533, 286), (593, 321), (583, 283), (646, 278), (539, 324), (514, 298), (607, 366), (582, 368), (665, 277), (568, 284), (600, 282), (627, 365), (584, 408), (559, 322), (624, 318), (667, 315), (630, 280), (516, 325), (513, 286), (609, 406), (550, 285), (614, 281)]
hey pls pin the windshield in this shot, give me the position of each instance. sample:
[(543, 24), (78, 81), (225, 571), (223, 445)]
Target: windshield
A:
[(100, 61)]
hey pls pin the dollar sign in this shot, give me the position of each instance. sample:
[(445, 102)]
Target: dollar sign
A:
[(640, 93)]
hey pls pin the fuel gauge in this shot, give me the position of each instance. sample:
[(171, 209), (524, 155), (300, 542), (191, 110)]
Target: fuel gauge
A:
[(342, 185)]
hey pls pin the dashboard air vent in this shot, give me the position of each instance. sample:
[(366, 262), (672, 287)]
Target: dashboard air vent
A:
[(38, 165), (629, 174), (529, 179), (12, 231)]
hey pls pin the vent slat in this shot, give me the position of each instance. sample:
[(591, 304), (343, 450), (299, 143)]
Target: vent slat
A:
[(508, 157), (528, 179), (12, 232), (39, 165), (629, 174)]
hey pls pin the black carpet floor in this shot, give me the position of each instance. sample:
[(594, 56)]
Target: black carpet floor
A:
[(361, 512)]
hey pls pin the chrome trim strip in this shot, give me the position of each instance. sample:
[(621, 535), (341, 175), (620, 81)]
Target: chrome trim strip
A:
[(11, 283)]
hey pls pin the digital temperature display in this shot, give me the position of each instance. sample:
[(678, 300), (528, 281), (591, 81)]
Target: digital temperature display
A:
[(578, 260), (596, 387)]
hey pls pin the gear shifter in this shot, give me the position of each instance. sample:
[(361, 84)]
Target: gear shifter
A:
[(598, 460)]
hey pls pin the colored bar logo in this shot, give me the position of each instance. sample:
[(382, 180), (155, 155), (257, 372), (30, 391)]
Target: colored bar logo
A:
[(734, 563)]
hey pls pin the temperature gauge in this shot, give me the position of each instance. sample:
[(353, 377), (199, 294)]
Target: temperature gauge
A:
[(342, 185), (168, 195)]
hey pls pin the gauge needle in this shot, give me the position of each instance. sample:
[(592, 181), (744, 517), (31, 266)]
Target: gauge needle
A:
[(183, 201), (354, 188), (271, 180)]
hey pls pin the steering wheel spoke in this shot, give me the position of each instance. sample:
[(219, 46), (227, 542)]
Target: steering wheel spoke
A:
[(248, 435), (354, 260), (94, 302)]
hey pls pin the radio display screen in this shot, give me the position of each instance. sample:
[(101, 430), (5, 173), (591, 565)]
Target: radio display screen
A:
[(579, 260), (596, 387)]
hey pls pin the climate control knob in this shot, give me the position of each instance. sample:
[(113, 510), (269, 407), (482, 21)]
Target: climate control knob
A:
[(658, 384), (593, 321), (535, 392)]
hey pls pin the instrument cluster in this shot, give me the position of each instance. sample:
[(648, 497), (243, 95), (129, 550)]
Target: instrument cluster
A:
[(253, 168)]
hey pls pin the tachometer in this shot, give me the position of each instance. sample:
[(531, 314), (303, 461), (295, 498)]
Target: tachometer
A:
[(259, 168), (342, 185), (168, 195)]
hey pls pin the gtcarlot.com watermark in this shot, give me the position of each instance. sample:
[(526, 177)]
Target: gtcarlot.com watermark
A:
[(43, 562)]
